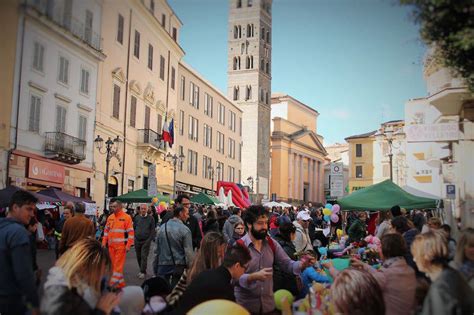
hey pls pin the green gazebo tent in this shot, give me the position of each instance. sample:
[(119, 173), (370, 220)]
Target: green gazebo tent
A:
[(383, 196), (141, 195), (204, 199)]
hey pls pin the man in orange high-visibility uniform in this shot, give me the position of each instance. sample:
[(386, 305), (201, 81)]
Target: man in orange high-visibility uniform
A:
[(118, 236)]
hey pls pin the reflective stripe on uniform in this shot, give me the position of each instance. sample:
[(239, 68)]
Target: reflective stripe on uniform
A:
[(130, 230), (117, 240), (118, 230)]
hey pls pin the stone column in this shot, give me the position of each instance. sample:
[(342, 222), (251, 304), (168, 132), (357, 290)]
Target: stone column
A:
[(295, 177), (290, 174), (301, 179), (316, 178), (311, 180)]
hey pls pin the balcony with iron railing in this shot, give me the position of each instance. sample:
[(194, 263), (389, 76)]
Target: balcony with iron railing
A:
[(55, 13), (65, 148), (149, 137)]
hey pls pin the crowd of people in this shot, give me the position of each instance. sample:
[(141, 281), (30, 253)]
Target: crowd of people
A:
[(204, 253)]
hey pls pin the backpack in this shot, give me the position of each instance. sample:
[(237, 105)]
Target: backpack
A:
[(270, 241)]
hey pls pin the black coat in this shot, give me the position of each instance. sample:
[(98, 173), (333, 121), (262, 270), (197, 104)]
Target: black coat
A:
[(208, 285), (193, 225), (282, 279)]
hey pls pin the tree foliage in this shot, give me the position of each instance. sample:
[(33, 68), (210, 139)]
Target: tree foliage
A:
[(449, 26)]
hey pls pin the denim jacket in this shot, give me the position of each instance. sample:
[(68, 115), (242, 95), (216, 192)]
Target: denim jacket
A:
[(181, 244)]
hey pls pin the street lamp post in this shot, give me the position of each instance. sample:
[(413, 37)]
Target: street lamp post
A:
[(111, 150), (175, 159), (211, 171), (388, 133)]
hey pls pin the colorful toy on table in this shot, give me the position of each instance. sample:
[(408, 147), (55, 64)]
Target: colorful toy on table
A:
[(373, 242), (316, 302), (311, 274)]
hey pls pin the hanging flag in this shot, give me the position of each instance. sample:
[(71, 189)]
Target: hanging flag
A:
[(165, 135), (171, 132)]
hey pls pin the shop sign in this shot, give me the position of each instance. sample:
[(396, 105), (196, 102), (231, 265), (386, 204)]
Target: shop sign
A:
[(181, 186), (210, 192), (337, 186), (45, 171), (432, 132), (196, 189)]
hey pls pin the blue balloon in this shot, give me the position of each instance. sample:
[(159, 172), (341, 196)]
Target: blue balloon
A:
[(329, 206), (327, 218)]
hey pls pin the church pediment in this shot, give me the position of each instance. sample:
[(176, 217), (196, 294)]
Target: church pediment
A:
[(118, 74), (308, 139)]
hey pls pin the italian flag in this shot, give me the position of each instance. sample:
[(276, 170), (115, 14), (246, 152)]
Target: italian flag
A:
[(168, 132)]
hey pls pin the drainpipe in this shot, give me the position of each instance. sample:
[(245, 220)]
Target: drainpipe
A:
[(126, 105), (22, 43)]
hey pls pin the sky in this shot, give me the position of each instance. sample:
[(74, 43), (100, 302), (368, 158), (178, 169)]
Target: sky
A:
[(354, 61)]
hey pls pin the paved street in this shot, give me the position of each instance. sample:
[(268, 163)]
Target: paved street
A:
[(46, 259)]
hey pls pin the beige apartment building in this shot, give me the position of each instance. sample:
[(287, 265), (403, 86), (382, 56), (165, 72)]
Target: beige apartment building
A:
[(208, 132), (9, 15), (138, 88), (297, 153)]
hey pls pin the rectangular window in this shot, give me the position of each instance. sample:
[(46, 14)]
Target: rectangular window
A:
[(220, 166), (163, 20), (232, 121), (85, 81), (173, 75), (192, 162), (193, 126), (175, 34), (162, 67), (136, 46), (181, 122), (208, 105), (181, 161), (220, 142), (60, 119), (231, 174), (88, 26), (194, 95), (358, 150), (63, 70), (147, 118), (38, 56), (207, 136), (159, 124), (240, 152), (82, 127), (183, 88), (120, 29), (231, 148), (150, 57), (133, 111), (240, 126), (358, 171), (35, 112), (206, 162), (221, 118), (116, 102)]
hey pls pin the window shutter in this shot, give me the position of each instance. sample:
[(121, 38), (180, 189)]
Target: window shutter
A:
[(160, 124), (133, 111), (116, 104), (147, 117)]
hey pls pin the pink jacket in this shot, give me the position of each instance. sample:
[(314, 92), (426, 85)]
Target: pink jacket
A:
[(398, 283)]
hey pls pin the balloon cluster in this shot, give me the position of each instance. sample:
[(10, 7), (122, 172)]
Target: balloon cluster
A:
[(330, 213)]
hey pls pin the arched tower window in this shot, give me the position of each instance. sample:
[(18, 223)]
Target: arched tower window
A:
[(267, 68), (236, 93), (247, 63), (248, 94), (262, 64), (251, 62), (242, 50), (236, 32), (240, 31), (239, 4)]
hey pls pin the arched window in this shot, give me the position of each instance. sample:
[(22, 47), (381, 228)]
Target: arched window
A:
[(238, 63), (261, 95), (240, 31), (251, 62), (266, 98), (236, 93), (268, 37), (262, 64), (242, 50), (235, 63), (236, 32), (247, 63), (267, 68), (248, 94), (263, 33), (239, 4)]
